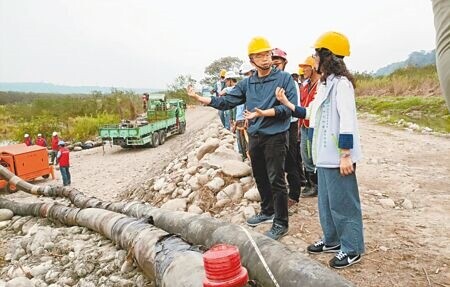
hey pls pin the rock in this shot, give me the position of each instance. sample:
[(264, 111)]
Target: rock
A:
[(77, 148), (217, 159), (195, 209), (236, 168), (19, 282), (252, 194), (203, 179), (246, 180), (193, 182), (221, 203), (176, 204), (52, 276), (159, 184), (186, 192), (192, 170), (168, 189), (186, 177), (208, 147), (4, 224), (41, 269), (407, 204), (127, 266), (215, 184), (383, 248), (386, 202), (6, 214), (249, 212), (233, 192)]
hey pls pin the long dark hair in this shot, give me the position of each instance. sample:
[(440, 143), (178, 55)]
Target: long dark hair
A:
[(332, 64)]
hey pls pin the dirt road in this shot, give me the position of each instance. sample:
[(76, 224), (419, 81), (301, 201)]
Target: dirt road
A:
[(408, 244)]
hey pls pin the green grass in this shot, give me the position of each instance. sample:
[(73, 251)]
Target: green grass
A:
[(429, 112), (75, 117)]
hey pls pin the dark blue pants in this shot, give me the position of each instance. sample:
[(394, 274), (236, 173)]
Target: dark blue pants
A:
[(268, 153), (65, 173)]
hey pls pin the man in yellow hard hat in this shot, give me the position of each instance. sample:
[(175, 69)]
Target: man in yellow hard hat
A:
[(268, 136)]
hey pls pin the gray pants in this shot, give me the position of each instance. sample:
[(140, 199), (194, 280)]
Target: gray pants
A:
[(340, 210), (441, 9)]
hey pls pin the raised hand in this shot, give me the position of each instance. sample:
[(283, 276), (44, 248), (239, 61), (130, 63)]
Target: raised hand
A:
[(281, 95)]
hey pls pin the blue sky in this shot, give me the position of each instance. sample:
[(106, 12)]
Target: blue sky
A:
[(137, 43)]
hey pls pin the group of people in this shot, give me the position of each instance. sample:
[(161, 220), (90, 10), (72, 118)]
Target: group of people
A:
[(59, 154), (320, 113)]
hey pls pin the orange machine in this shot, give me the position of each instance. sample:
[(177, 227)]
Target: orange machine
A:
[(27, 162)]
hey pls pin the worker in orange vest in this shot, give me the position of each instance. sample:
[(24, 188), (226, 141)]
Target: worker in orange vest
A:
[(40, 141), (63, 160)]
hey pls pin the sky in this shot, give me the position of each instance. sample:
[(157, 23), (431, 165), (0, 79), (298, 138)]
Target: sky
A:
[(147, 44)]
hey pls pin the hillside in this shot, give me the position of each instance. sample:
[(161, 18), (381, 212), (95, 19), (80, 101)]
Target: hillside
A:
[(415, 59)]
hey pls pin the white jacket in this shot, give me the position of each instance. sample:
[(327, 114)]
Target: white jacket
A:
[(333, 112)]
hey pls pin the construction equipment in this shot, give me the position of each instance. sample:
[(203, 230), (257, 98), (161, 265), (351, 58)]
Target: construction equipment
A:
[(162, 119), (27, 162)]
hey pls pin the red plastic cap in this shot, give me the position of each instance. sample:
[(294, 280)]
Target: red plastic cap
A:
[(223, 267)]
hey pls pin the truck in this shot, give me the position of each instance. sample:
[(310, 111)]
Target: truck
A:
[(163, 118), (27, 162)]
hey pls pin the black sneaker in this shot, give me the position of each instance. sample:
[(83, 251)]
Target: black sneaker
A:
[(259, 219), (319, 247), (277, 231), (342, 260)]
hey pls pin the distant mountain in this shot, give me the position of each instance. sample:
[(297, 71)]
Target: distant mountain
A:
[(61, 89), (416, 59)]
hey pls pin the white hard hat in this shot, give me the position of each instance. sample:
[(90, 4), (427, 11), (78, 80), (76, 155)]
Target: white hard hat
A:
[(39, 135), (231, 75), (54, 134), (245, 68), (26, 135)]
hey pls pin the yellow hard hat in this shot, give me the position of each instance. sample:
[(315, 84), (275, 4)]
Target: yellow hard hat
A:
[(258, 45), (223, 72), (309, 61), (301, 71), (336, 42)]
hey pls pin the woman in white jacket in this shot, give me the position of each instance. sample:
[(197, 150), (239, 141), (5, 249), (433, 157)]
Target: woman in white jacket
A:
[(335, 151)]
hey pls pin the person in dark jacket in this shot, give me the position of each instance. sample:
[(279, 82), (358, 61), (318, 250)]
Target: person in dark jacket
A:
[(268, 136)]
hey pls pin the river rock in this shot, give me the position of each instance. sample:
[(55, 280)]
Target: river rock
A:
[(215, 184), (217, 159), (233, 192), (208, 147), (4, 224), (407, 204), (19, 282), (386, 202), (159, 184), (252, 194), (236, 168), (249, 211), (222, 202), (195, 209), (175, 204), (168, 189), (193, 182), (203, 179), (6, 214)]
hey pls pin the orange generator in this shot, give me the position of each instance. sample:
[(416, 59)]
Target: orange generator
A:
[(27, 162)]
